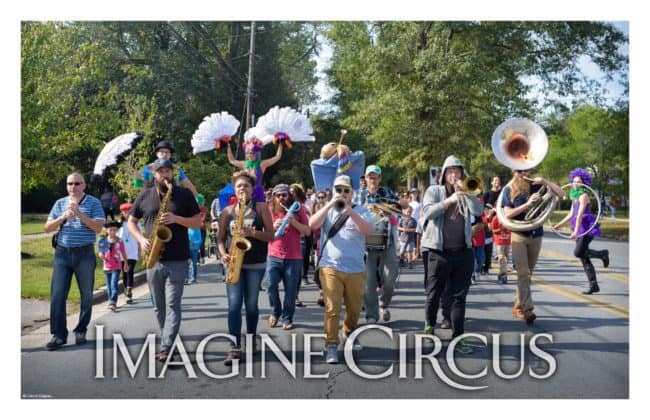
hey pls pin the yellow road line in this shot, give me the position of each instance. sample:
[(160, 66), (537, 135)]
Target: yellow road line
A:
[(589, 300), (549, 253)]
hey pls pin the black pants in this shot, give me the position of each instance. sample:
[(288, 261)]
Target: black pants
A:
[(451, 270), (306, 253), (585, 254), (127, 275), (487, 265)]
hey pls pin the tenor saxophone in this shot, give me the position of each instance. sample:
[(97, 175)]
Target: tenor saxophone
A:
[(239, 245), (160, 234)]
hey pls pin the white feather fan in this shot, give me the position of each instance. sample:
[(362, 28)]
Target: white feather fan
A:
[(280, 123), (115, 151), (214, 130)]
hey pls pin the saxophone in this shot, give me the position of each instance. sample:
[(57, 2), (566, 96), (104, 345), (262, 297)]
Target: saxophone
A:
[(238, 245), (160, 234)]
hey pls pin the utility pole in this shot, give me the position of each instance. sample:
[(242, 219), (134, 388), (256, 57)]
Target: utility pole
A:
[(249, 88)]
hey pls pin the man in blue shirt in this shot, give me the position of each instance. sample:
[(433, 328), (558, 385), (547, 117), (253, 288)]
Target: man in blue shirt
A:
[(80, 218), (343, 270)]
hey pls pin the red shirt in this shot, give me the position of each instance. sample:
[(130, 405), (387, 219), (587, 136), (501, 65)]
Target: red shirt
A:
[(287, 246), (501, 235)]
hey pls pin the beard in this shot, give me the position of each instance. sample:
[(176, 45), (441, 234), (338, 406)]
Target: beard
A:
[(162, 185)]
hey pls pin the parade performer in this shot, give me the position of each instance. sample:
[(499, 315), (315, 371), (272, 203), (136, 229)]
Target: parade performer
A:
[(177, 210), (448, 239), (382, 262), (344, 228), (254, 163), (584, 226), (518, 197), (245, 221)]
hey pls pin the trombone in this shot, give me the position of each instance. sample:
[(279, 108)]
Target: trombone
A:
[(471, 185)]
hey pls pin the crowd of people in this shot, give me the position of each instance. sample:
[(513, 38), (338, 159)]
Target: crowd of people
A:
[(357, 241)]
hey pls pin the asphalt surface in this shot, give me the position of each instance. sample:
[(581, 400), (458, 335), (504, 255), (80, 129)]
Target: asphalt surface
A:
[(582, 345)]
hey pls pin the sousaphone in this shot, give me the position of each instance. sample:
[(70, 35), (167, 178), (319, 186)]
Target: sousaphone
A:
[(521, 144)]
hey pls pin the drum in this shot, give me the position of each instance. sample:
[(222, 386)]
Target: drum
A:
[(378, 241)]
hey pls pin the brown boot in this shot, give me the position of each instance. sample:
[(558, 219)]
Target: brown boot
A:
[(233, 354), (529, 316), (517, 312)]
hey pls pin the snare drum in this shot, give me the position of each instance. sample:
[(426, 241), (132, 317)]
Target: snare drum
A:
[(378, 241)]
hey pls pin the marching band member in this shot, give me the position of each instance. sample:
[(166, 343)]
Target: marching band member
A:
[(284, 260), (448, 238), (582, 220), (517, 199), (344, 228), (382, 260)]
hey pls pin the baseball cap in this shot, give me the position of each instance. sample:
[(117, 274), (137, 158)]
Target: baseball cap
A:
[(343, 180), (373, 168), (163, 163)]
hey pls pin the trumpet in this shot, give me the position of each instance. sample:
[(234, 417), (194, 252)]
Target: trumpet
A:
[(340, 205)]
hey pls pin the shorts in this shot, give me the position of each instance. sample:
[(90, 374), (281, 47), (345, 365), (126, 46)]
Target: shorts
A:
[(408, 246)]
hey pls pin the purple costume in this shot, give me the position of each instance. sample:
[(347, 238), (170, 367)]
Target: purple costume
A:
[(587, 221)]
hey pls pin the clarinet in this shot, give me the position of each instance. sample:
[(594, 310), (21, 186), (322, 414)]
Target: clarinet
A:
[(292, 210)]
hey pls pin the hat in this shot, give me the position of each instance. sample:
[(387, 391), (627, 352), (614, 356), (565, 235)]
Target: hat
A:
[(488, 206), (373, 168), (162, 163), (113, 223), (343, 180), (281, 188), (414, 190), (125, 206), (164, 144)]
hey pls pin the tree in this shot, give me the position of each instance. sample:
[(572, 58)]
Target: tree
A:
[(419, 91)]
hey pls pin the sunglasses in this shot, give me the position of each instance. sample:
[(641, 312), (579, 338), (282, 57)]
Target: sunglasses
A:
[(282, 195), (321, 197), (521, 171), (75, 183), (342, 190)]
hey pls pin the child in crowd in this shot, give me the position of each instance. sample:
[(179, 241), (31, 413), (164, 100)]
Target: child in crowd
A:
[(502, 243), (195, 238), (112, 253), (406, 227), (478, 243)]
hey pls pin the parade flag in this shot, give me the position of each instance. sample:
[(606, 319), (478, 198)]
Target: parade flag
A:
[(344, 159)]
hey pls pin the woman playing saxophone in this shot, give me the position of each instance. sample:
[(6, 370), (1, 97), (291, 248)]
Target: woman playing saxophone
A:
[(255, 226)]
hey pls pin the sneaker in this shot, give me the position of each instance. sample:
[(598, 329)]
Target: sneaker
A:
[(356, 345), (462, 347), (473, 278), (112, 307), (428, 329), (299, 303), (55, 343), (445, 324), (503, 278), (371, 320), (129, 292), (129, 300), (80, 338), (331, 354), (385, 314), (529, 316)]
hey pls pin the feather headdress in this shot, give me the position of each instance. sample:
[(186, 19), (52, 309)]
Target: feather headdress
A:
[(215, 130), (284, 124)]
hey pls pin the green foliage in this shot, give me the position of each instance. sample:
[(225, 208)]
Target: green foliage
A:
[(419, 91), (84, 83)]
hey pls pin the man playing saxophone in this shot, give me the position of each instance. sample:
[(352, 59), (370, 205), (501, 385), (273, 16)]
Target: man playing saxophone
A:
[(245, 221), (168, 269)]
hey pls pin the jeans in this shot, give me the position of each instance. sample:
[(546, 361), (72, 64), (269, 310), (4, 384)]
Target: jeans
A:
[(289, 272), (193, 266), (450, 270), (245, 291), (112, 280), (386, 264), (66, 263), (165, 282), (479, 258)]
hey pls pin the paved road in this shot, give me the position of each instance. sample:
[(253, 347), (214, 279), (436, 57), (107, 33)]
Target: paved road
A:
[(588, 355)]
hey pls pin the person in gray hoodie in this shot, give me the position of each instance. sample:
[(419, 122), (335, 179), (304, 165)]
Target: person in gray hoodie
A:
[(448, 238)]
